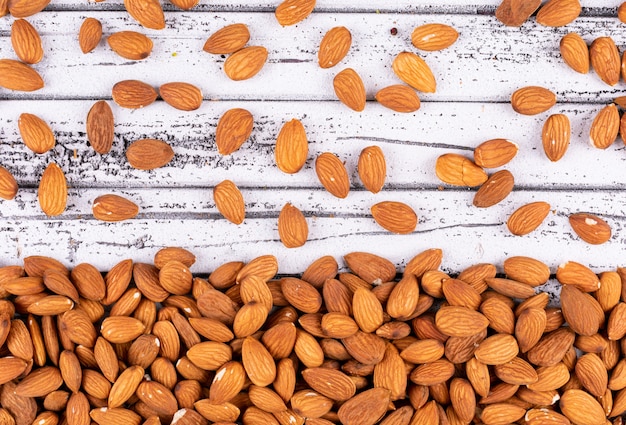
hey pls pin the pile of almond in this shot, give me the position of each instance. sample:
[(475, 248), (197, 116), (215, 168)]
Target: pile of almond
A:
[(154, 344)]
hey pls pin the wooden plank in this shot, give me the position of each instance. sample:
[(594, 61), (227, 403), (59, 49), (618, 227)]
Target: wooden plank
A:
[(411, 143), (188, 218), (486, 64)]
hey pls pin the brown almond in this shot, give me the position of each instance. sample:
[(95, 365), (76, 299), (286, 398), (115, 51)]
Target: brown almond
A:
[(52, 193), (532, 100), (333, 175), (366, 408), (320, 270), (173, 253), (183, 96), (258, 362), (581, 311), (100, 127), (349, 89), (176, 278), (26, 42), (89, 35), (148, 154), (414, 71), (15, 75), (115, 416), (527, 218), (157, 397), (575, 52), (501, 413), (227, 40), (36, 133), (11, 368), (331, 383), (88, 281), (432, 373), (527, 270), (245, 63), (399, 98), (497, 187), (605, 127), (229, 201), (372, 268), (431, 37), (495, 153), (185, 4), (291, 147), (125, 386), (228, 382), (293, 229), (557, 13), (334, 47), (310, 404), (113, 208), (290, 12), (552, 347), (133, 94), (372, 168), (210, 355), (460, 321), (579, 275), (395, 217), (26, 8), (130, 45), (233, 129), (121, 329), (497, 349), (592, 373), (8, 184), (581, 408), (517, 372), (515, 12), (148, 13), (302, 295), (590, 228), (605, 60), (40, 382), (555, 136), (458, 170)]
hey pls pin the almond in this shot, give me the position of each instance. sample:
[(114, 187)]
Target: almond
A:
[(495, 153), (88, 281), (113, 208), (320, 270), (497, 349), (366, 408), (115, 416), (173, 253), (233, 129), (532, 100), (334, 47), (216, 413), (460, 321), (157, 397), (579, 275), (333, 175), (290, 12), (349, 89), (292, 227), (605, 60), (515, 12), (89, 35), (15, 75), (495, 189), (501, 413), (528, 217), (148, 154), (291, 147), (185, 4), (581, 408), (550, 377), (227, 40), (229, 201), (605, 127), (100, 127), (210, 355), (399, 98), (26, 8), (78, 404), (130, 45), (52, 193), (372, 168), (331, 383), (40, 382), (26, 42), (557, 13), (431, 37), (590, 228), (183, 96), (301, 294), (527, 270), (414, 71), (395, 217), (551, 348), (266, 399), (309, 404), (245, 63), (555, 136), (458, 170), (621, 12), (432, 373), (517, 372), (592, 374), (258, 362), (12, 367), (539, 416), (133, 94), (51, 305), (370, 267), (125, 386), (121, 329), (8, 184), (36, 134), (148, 13), (575, 52)]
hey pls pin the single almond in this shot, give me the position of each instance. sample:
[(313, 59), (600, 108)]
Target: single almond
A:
[(431, 37), (414, 71), (26, 8), (532, 100), (26, 42), (590, 228), (395, 217), (88, 281), (125, 386), (52, 193), (528, 217), (579, 275), (605, 127), (495, 153), (293, 229), (334, 47), (245, 63), (257, 362), (592, 373), (501, 413), (527, 270), (302, 295), (36, 133), (233, 129), (460, 321), (290, 12), (8, 184), (605, 59), (115, 416), (185, 4), (89, 35), (333, 175), (183, 96), (11, 368), (148, 154), (515, 12), (15, 75), (372, 168), (557, 13), (581, 408), (148, 13), (555, 136), (133, 94), (371, 404), (121, 329), (458, 170), (229, 201), (112, 208), (130, 45), (291, 147), (227, 40), (173, 253), (100, 127), (575, 52), (495, 189), (372, 268), (349, 89), (399, 98)]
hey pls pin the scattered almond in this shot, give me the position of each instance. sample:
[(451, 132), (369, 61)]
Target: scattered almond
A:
[(590, 228), (89, 35), (575, 52), (532, 100), (495, 153), (148, 13), (332, 173), (555, 136), (15, 75), (26, 42), (245, 63), (148, 154), (8, 184), (334, 47), (527, 218), (605, 127), (291, 147), (414, 71), (399, 98), (52, 193), (130, 45), (36, 134), (183, 96), (133, 94), (290, 12), (112, 207), (100, 127), (26, 8), (557, 13), (515, 12), (431, 37), (372, 168), (497, 187), (349, 89), (458, 170), (605, 60), (229, 201), (292, 227), (227, 40), (395, 217)]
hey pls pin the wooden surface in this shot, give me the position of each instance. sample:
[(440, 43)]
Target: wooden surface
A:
[(475, 78)]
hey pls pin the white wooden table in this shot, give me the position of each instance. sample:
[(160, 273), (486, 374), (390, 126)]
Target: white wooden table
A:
[(475, 78)]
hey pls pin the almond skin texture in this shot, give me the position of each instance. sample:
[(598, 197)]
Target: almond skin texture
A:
[(366, 408), (590, 228), (183, 96), (130, 45), (396, 217), (532, 100), (292, 227), (114, 208), (245, 63), (100, 127), (233, 129), (557, 13), (148, 13), (431, 37), (332, 174), (89, 35), (527, 218), (414, 71), (290, 12), (52, 192), (555, 136), (292, 147), (605, 127), (581, 408), (229, 201), (185, 4), (15, 75), (349, 89), (605, 60), (399, 98), (36, 134), (227, 40), (133, 94), (8, 185), (372, 168), (26, 42), (26, 8), (334, 47), (458, 170), (575, 52), (148, 154), (495, 189), (514, 13), (495, 153)]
